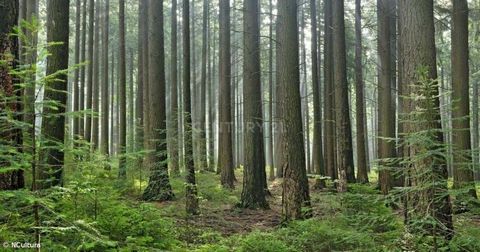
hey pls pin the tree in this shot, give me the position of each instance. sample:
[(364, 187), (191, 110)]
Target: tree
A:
[(191, 186), (174, 92), (10, 135), (342, 120), (76, 88), (202, 155), (159, 188), (105, 95), (122, 166), (329, 99), (270, 161), (88, 102), (362, 173), (386, 112), (53, 123), (96, 80), (295, 184), (318, 162), (462, 170), (417, 54), (81, 106), (253, 193), (225, 152)]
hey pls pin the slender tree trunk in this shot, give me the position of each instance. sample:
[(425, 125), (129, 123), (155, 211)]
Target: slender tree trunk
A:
[(211, 100), (191, 187), (112, 105), (317, 162), (81, 119), (462, 159), (175, 169), (295, 184), (329, 114), (304, 93), (343, 125), (202, 137), (225, 151), (96, 80), (88, 103), (122, 145), (9, 56), (105, 94), (53, 122), (386, 126), (131, 115), (253, 195), (270, 94), (76, 89), (362, 173), (146, 82)]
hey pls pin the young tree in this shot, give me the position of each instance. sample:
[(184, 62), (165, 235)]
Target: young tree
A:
[(122, 166), (191, 187), (225, 152), (417, 52), (342, 120), (318, 162), (295, 184), (386, 112), (53, 123), (174, 92), (105, 95), (158, 188), (9, 53), (362, 173), (462, 170), (253, 193)]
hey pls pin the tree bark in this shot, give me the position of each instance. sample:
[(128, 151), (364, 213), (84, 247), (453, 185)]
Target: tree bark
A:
[(462, 158), (122, 145), (88, 102), (53, 122), (295, 191), (342, 122), (104, 85), (225, 151), (175, 169)]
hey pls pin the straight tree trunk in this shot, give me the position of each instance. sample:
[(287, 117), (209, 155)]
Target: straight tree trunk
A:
[(295, 191), (142, 35), (254, 180), (211, 99), (146, 86), (76, 77), (9, 55), (462, 169), (96, 80), (131, 115), (362, 173), (81, 119), (202, 138), (342, 122), (191, 186), (270, 161), (53, 122), (330, 139), (104, 85), (385, 124), (159, 188), (112, 106), (304, 92), (225, 151), (88, 102), (317, 150), (175, 168), (417, 51), (122, 144)]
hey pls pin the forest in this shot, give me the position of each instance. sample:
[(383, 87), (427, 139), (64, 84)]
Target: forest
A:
[(239, 125)]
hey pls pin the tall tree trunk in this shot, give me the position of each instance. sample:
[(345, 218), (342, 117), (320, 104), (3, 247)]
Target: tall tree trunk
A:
[(88, 102), (96, 80), (270, 94), (53, 122), (417, 51), (9, 55), (112, 105), (158, 188), (175, 169), (385, 126), (76, 77), (462, 159), (329, 143), (295, 184), (81, 119), (191, 186), (304, 92), (105, 94), (362, 173), (122, 145), (211, 99), (131, 115), (202, 137), (343, 125), (254, 181), (317, 150), (146, 82), (225, 151)]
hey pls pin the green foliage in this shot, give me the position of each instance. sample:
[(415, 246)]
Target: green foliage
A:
[(268, 242)]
